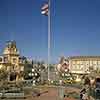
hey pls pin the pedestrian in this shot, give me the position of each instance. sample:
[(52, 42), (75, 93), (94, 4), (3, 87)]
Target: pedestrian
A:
[(85, 92), (83, 95), (97, 88)]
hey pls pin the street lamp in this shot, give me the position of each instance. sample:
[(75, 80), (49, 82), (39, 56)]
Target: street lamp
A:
[(33, 69), (30, 74), (35, 74), (34, 82), (39, 70)]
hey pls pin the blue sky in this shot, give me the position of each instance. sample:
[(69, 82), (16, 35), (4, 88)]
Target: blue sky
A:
[(75, 27)]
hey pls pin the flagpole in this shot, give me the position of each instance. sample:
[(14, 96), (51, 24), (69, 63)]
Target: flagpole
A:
[(49, 38)]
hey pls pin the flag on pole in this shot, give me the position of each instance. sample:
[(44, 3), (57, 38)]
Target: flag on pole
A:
[(45, 9)]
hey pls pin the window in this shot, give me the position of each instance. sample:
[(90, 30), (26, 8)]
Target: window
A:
[(0, 59), (81, 67), (94, 62), (78, 62), (73, 62), (78, 66), (21, 60), (81, 62), (14, 60), (91, 63), (99, 62), (5, 59), (86, 63)]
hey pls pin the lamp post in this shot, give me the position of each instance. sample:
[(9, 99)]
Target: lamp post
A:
[(35, 75)]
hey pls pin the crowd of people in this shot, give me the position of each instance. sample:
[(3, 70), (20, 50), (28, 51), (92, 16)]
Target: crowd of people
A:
[(88, 87)]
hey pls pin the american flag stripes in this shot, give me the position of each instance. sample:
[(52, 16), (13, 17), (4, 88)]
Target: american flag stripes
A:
[(45, 9)]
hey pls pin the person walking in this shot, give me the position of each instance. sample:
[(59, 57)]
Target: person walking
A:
[(85, 92), (97, 88)]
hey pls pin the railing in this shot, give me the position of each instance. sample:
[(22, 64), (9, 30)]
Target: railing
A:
[(12, 95)]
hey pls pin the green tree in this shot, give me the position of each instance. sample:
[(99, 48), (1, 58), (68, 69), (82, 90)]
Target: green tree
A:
[(3, 78), (3, 75)]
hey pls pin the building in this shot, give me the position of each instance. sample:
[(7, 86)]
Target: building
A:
[(80, 65), (83, 64), (12, 62)]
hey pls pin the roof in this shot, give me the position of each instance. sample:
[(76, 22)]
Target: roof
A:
[(84, 57)]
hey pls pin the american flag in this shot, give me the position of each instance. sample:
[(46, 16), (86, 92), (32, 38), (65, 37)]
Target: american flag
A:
[(45, 9)]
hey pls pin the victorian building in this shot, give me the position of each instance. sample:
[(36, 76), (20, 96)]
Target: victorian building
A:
[(12, 62)]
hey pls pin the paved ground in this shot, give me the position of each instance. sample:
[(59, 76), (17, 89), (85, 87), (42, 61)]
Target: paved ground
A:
[(52, 94)]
